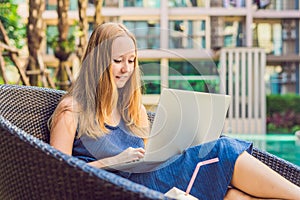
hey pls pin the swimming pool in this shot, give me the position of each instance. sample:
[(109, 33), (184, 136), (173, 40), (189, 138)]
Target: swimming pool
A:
[(285, 146)]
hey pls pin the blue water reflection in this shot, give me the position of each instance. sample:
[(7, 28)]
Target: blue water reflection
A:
[(285, 146)]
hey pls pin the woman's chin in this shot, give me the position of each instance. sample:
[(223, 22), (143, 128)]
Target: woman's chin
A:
[(120, 85)]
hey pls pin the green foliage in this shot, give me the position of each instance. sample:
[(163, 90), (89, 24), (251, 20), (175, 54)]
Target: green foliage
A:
[(12, 23), (67, 46), (295, 128), (1, 80), (283, 113), (280, 103), (195, 85)]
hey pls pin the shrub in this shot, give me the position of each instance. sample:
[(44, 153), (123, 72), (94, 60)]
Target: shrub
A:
[(283, 113)]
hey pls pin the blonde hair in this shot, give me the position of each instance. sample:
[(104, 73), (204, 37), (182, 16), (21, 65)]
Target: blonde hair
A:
[(95, 91)]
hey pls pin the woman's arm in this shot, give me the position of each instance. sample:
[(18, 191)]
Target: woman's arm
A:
[(62, 137), (127, 155), (130, 153), (64, 126), (63, 133)]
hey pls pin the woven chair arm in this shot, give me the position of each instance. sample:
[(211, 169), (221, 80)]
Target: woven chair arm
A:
[(286, 169), (32, 169)]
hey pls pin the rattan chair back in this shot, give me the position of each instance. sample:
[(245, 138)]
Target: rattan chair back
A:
[(29, 108)]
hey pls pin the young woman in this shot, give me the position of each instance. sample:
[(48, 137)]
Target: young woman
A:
[(101, 120)]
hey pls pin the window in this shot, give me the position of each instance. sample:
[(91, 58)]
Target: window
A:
[(90, 29), (51, 33), (197, 75), (187, 34), (147, 33), (151, 76), (228, 3), (233, 34), (268, 36), (52, 5), (110, 3), (186, 3), (282, 78), (142, 3), (73, 5), (282, 5)]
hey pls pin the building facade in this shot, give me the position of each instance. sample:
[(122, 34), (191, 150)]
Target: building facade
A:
[(179, 40)]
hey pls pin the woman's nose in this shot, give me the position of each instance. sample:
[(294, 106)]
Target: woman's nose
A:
[(125, 68)]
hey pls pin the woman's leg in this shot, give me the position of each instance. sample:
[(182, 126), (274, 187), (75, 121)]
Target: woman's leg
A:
[(235, 194), (255, 178)]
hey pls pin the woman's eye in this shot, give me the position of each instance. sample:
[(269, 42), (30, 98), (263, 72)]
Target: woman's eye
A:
[(117, 61), (131, 61)]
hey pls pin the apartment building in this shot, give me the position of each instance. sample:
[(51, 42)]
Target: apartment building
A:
[(179, 40)]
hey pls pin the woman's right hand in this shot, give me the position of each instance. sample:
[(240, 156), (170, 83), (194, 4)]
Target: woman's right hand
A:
[(129, 154)]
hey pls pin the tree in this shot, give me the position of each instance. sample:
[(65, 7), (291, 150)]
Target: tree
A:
[(12, 22), (12, 34), (62, 51), (83, 26), (34, 38), (98, 18)]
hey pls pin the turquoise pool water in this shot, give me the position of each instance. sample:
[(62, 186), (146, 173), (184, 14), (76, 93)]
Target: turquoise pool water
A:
[(285, 146)]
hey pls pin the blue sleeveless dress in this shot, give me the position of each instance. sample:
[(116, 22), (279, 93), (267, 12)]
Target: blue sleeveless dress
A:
[(212, 180)]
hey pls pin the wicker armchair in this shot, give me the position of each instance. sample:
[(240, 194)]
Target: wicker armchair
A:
[(31, 169)]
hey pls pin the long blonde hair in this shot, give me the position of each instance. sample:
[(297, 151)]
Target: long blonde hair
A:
[(95, 91)]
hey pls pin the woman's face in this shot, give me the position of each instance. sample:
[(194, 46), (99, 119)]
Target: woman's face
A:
[(123, 59)]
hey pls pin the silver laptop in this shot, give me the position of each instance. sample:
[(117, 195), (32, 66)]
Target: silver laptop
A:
[(183, 119)]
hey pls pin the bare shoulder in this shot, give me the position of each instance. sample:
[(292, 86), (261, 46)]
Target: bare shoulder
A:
[(67, 110), (68, 104)]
